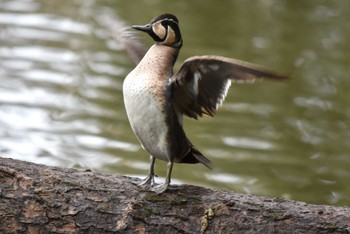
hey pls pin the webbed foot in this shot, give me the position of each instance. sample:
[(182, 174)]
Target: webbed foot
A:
[(160, 188), (147, 182)]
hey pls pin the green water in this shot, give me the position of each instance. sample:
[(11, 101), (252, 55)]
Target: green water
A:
[(61, 100)]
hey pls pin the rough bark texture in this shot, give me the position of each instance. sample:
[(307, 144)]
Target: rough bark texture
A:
[(41, 199)]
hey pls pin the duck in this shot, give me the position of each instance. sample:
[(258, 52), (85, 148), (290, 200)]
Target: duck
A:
[(156, 98)]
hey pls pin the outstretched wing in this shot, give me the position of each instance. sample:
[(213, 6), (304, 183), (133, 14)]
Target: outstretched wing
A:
[(202, 82), (123, 35)]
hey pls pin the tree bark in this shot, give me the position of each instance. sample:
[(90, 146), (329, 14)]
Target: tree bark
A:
[(41, 199)]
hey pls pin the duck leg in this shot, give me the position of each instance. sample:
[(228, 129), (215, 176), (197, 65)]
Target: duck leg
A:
[(149, 180), (163, 187)]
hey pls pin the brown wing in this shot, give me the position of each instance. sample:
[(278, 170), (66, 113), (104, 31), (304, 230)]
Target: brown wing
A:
[(202, 82), (125, 38)]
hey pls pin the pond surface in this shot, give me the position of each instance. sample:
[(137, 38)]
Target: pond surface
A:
[(61, 104)]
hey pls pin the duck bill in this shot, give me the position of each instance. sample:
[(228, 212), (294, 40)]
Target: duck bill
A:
[(143, 28)]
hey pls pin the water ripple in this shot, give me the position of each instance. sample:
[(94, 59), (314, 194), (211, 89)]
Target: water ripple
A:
[(248, 143), (44, 21)]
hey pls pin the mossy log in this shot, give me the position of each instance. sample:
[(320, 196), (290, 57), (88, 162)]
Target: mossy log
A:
[(36, 198)]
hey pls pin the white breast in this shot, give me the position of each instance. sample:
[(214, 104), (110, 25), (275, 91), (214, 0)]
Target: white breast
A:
[(145, 115)]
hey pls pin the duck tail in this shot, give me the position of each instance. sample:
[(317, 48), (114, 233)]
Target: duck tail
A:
[(195, 156)]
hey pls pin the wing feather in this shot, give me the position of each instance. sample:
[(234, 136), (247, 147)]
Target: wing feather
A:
[(123, 35), (202, 82)]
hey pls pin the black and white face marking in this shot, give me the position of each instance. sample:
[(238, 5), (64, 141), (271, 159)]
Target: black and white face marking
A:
[(164, 30), (159, 30)]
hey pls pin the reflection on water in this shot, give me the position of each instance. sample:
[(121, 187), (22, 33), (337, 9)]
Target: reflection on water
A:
[(61, 103)]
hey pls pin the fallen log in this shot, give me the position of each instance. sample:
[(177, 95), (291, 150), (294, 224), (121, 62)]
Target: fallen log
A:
[(36, 198)]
